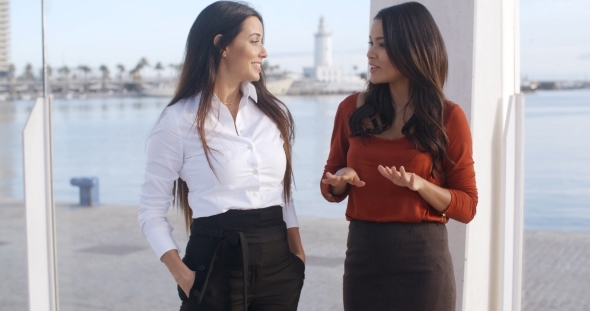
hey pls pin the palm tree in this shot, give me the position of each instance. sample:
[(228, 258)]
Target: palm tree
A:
[(85, 70), (136, 72), (176, 68), (105, 76), (159, 68), (65, 72), (11, 71), (29, 72), (121, 69)]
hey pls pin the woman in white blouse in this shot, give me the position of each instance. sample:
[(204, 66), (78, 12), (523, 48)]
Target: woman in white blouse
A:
[(221, 151)]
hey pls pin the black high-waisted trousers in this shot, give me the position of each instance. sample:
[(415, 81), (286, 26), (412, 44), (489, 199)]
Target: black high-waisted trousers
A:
[(398, 267), (242, 258)]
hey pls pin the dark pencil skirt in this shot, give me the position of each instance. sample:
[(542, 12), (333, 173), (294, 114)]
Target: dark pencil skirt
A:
[(242, 261), (398, 266)]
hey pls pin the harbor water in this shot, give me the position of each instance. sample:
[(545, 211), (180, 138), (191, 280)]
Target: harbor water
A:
[(106, 138)]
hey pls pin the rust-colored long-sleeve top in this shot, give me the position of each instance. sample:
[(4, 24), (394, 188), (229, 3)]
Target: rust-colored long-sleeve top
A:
[(380, 200)]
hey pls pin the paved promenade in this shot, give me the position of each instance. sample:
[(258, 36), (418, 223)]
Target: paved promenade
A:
[(106, 264)]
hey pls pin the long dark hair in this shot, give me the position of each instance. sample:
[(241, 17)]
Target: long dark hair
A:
[(416, 49), (198, 74)]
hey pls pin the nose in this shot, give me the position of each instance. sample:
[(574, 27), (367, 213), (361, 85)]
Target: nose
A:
[(263, 52), (370, 53)]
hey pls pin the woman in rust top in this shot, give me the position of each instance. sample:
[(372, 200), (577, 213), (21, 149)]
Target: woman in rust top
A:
[(402, 154)]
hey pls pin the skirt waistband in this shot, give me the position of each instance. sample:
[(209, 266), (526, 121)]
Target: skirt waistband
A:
[(242, 220)]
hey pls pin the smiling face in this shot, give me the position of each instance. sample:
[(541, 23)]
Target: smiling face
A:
[(381, 67), (244, 55)]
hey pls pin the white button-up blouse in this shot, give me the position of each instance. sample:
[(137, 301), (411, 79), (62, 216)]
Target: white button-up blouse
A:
[(248, 158)]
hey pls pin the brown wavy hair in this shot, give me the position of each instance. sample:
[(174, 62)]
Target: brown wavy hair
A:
[(416, 49), (198, 74)]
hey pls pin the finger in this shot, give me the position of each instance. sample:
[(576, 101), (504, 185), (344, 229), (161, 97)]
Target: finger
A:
[(395, 173), (402, 173), (383, 171), (357, 182), (390, 171)]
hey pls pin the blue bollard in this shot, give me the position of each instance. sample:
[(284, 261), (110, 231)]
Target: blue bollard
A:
[(88, 190)]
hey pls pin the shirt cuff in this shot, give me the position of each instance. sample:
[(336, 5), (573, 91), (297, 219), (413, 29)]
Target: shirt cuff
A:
[(325, 188), (162, 241), (289, 215)]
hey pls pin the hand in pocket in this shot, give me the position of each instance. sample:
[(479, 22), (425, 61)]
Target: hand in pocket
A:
[(186, 282)]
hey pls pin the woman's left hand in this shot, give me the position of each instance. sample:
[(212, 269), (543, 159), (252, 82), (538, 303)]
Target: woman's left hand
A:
[(401, 177)]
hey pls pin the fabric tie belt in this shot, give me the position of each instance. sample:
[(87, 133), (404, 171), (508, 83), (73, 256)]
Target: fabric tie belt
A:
[(234, 238)]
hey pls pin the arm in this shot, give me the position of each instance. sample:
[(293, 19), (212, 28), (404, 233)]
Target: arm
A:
[(439, 198), (334, 188), (183, 276), (458, 198), (294, 240), (164, 161)]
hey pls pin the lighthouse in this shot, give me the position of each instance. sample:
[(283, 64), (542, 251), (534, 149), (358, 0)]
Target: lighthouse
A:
[(323, 70), (323, 46)]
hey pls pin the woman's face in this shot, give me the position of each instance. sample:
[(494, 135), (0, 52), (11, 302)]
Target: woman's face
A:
[(381, 67), (245, 53)]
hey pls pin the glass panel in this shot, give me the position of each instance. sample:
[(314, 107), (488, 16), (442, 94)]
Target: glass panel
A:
[(557, 200), (13, 238), (104, 260)]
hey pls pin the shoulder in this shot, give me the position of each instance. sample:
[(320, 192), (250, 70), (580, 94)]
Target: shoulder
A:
[(455, 119), (350, 103), (453, 112)]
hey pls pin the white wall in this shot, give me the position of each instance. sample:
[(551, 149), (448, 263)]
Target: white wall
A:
[(481, 37)]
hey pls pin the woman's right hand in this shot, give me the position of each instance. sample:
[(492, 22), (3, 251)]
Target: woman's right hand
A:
[(341, 178), (184, 277), (186, 281)]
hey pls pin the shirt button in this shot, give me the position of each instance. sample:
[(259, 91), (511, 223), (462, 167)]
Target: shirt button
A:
[(255, 171), (254, 194), (241, 131), (249, 147)]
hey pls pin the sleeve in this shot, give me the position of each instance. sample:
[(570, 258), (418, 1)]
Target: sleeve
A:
[(163, 163), (460, 175), (289, 214), (338, 149)]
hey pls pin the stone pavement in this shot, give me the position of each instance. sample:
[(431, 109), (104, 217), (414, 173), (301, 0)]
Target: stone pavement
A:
[(105, 263)]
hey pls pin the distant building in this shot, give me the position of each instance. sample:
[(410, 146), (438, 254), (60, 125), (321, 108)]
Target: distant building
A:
[(4, 37), (324, 77), (323, 70)]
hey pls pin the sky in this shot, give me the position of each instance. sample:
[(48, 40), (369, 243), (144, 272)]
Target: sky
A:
[(555, 36)]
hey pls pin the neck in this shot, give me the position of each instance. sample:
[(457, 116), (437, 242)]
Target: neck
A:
[(400, 93), (226, 89)]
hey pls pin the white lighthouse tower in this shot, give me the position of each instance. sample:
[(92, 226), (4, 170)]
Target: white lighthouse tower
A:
[(323, 70), (323, 46)]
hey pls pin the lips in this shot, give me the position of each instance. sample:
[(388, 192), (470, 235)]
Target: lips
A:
[(257, 66), (374, 68)]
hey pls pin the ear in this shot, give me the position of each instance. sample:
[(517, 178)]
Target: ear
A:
[(216, 42)]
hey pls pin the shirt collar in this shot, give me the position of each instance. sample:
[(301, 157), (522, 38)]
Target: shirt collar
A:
[(248, 91)]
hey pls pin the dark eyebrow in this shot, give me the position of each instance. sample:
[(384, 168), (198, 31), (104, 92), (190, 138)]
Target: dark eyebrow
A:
[(255, 34), (378, 38)]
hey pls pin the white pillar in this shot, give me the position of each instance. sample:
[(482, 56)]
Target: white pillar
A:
[(40, 214), (482, 38)]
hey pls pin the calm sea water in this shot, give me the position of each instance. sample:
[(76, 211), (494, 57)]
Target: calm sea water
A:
[(106, 138)]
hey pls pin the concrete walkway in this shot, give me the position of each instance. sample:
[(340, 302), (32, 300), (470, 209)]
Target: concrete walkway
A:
[(106, 264)]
